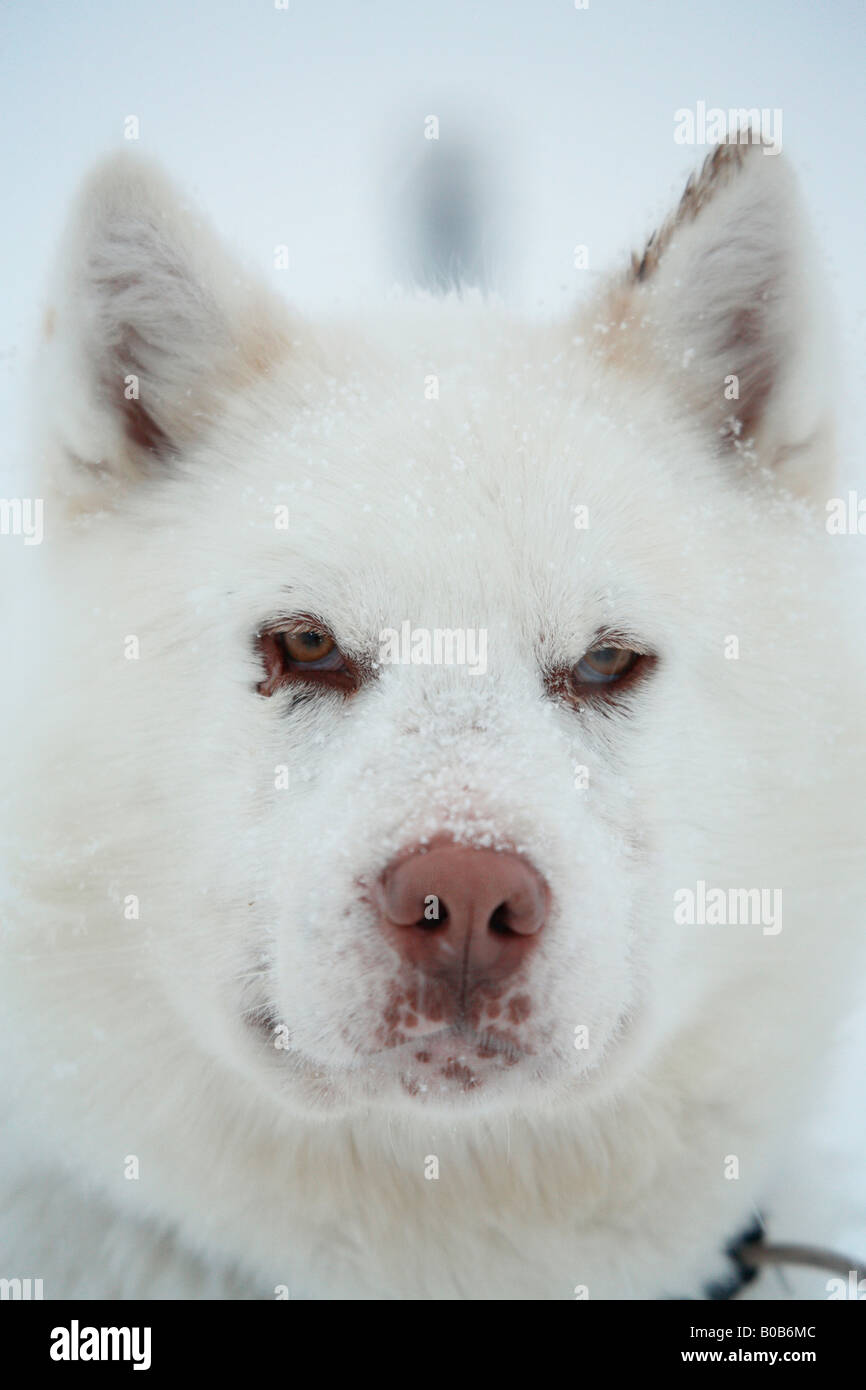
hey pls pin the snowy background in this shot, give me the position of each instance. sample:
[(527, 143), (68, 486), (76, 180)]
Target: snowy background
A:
[(297, 127)]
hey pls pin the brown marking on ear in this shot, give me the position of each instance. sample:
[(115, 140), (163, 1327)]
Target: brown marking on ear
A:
[(139, 425), (144, 433), (757, 377), (719, 167), (49, 320)]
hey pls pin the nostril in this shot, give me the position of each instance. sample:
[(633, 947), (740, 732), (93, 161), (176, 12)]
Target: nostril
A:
[(435, 920), (500, 923)]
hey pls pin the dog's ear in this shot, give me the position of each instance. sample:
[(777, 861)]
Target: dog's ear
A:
[(150, 328), (725, 300)]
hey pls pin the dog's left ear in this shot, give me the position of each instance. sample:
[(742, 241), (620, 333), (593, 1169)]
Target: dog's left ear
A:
[(726, 302), (152, 328)]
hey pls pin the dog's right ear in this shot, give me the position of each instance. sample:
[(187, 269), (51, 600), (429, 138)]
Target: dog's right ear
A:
[(150, 328), (725, 306)]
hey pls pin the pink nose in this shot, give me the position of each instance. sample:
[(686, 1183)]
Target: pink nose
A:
[(467, 913)]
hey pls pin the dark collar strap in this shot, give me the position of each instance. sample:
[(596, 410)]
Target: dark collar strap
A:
[(743, 1272)]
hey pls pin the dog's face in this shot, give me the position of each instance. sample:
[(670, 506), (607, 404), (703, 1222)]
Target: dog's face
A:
[(405, 696)]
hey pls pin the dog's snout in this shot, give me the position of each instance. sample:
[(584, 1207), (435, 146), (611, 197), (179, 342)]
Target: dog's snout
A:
[(456, 910)]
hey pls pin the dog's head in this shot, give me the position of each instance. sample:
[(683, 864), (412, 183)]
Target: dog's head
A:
[(410, 670)]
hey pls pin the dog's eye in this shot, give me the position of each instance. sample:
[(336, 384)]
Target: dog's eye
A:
[(602, 673), (306, 653), (605, 665), (311, 648)]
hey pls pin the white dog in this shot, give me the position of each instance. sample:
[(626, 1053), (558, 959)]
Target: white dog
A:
[(434, 771)]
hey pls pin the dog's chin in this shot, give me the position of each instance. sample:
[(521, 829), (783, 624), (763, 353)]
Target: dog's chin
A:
[(448, 1077), (454, 1070), (459, 1071), (453, 1066)]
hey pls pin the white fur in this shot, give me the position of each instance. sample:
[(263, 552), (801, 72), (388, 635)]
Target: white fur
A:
[(155, 777)]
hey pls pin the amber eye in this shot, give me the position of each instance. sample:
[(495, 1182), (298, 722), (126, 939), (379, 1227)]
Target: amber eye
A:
[(605, 665), (302, 652), (309, 646)]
